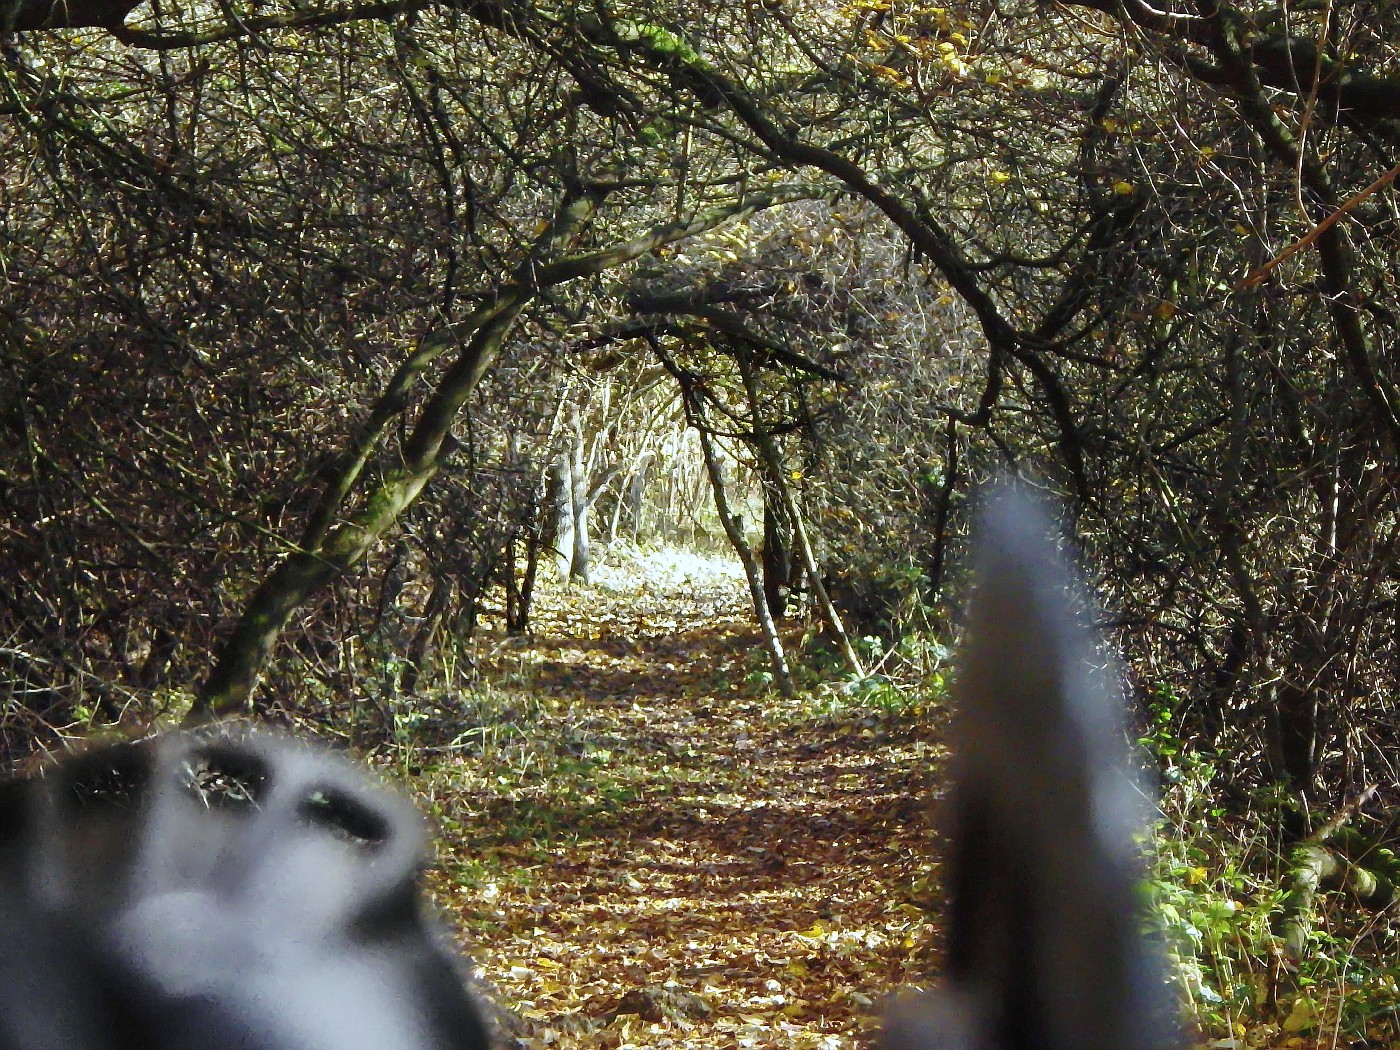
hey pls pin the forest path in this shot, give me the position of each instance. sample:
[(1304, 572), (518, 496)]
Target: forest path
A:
[(652, 849)]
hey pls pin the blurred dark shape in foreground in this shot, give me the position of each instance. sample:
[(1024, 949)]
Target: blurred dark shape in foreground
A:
[(207, 892), (202, 892), (1046, 948)]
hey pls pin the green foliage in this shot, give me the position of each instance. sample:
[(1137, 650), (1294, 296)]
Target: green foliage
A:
[(660, 40), (887, 597), (912, 683), (1215, 890)]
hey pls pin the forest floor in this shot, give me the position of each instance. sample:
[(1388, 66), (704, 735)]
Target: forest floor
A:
[(646, 847)]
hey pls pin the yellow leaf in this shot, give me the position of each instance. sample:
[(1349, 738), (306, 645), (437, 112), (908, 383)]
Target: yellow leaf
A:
[(1302, 1017), (1123, 188), (1000, 177)]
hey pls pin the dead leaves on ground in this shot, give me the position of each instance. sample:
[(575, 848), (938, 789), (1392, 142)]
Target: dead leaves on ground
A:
[(669, 859)]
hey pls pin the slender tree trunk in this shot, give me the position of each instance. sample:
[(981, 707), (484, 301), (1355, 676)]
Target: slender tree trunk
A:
[(580, 562), (772, 462), (615, 519), (814, 578), (511, 582), (777, 558), (1295, 733), (521, 622), (636, 491), (943, 513), (581, 566), (164, 645), (230, 686), (727, 519), (422, 644), (560, 503)]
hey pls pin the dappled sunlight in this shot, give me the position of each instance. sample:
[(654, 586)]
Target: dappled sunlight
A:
[(667, 570), (641, 593), (753, 874)]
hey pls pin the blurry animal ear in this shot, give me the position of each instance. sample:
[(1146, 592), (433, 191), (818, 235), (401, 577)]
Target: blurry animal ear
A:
[(1045, 943)]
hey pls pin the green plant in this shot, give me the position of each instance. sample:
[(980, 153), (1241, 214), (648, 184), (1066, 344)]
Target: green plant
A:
[(1215, 890)]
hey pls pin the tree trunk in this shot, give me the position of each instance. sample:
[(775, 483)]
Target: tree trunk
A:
[(1295, 731), (771, 459), (581, 566), (520, 622), (943, 511), (560, 504), (730, 523), (636, 492), (420, 647), (777, 558), (165, 643), (580, 563)]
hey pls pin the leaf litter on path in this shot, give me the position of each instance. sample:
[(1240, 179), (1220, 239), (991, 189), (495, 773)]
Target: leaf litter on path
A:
[(667, 855)]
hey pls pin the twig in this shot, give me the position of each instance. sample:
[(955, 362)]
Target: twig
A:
[(1257, 276)]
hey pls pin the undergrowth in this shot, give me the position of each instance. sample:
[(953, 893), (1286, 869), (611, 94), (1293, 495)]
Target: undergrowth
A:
[(514, 775), (1217, 886)]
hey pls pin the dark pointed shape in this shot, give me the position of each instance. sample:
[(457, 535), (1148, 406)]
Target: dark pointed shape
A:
[(1046, 948)]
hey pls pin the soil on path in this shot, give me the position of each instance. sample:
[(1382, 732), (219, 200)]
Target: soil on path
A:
[(645, 846)]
